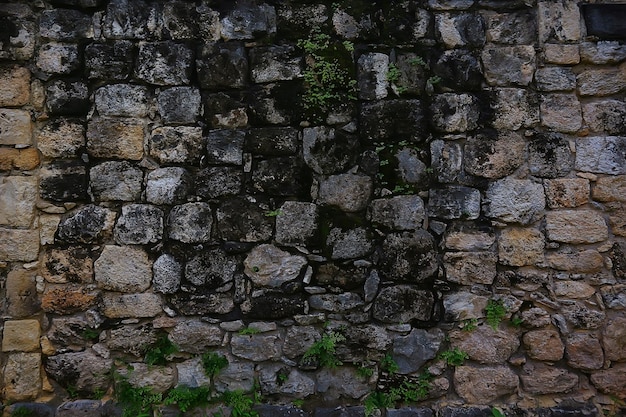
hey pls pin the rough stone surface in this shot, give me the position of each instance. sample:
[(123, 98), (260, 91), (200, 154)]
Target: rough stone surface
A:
[(164, 63), (167, 185), (464, 305), (544, 345), (15, 127), (601, 81), (167, 273), (555, 79), (372, 70), (605, 116), (539, 378), (123, 268), (17, 206), (398, 213), (549, 155), (243, 220), (463, 237), (115, 181), (139, 224), (143, 305), (567, 192), (212, 269), (409, 256), (454, 202), (88, 224), (509, 65), (85, 370), (71, 264), (68, 299), (485, 345), (257, 347), (455, 112), (613, 339), (584, 351), (561, 112), (611, 381), (576, 226), (402, 304), (115, 138), (268, 266), (21, 336), (195, 336), (22, 376), (349, 192), (179, 104), (183, 144), (296, 223), (485, 384), (68, 98), (467, 268), (494, 157), (61, 138), (122, 100), (326, 150), (15, 89), (558, 21), (515, 201), (514, 108), (582, 261), (519, 247), (412, 351), (604, 155)]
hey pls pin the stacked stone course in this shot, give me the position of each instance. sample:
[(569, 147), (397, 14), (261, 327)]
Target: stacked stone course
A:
[(162, 174)]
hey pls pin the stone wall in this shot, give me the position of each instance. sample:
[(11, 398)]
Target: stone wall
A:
[(340, 198)]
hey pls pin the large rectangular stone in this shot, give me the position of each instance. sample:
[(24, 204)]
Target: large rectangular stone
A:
[(603, 155), (602, 81), (16, 127), (21, 336), (19, 245), (14, 86), (576, 226), (22, 376), (18, 196), (115, 138)]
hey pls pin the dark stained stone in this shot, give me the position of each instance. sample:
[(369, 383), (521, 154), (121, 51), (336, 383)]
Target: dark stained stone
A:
[(284, 176), (274, 306), (222, 66), (109, 61), (403, 304), (242, 220), (272, 141), (409, 256), (549, 155), (64, 180), (393, 120), (68, 98), (219, 181)]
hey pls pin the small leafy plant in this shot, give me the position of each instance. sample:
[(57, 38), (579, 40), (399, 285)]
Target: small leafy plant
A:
[(387, 364), (364, 372), (378, 400), (136, 401), (272, 213), (187, 398), (495, 412), (212, 363), (469, 325), (21, 411), (159, 352), (249, 331), (90, 334), (454, 357), (324, 349), (240, 404), (495, 312)]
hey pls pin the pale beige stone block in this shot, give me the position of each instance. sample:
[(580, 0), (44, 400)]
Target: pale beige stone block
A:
[(22, 376), (555, 53), (18, 196), (115, 138), (566, 192), (16, 127), (576, 226), (561, 112), (21, 336), (19, 245), (519, 246), (14, 86)]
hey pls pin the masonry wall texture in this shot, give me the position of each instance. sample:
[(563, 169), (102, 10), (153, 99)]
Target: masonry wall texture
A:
[(259, 178)]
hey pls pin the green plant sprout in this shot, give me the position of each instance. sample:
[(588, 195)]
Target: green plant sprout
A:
[(388, 364), (187, 398), (212, 363), (272, 213), (469, 325), (496, 412), (240, 404), (160, 351), (248, 331), (453, 357), (136, 401), (364, 372), (323, 350), (495, 312)]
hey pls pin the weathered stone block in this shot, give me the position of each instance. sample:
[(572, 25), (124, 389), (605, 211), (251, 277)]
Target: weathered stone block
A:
[(65, 25), (71, 264), (225, 146), (22, 376), (258, 347), (18, 196), (519, 247), (585, 261), (19, 245), (268, 266), (549, 155), (454, 202), (514, 108), (88, 224), (182, 20), (85, 370), (55, 58), (247, 21), (611, 381), (164, 63), (604, 155), (242, 220), (602, 52), (602, 81), (167, 185), (129, 19), (179, 104), (21, 336), (115, 181), (109, 61), (328, 151), (458, 69), (123, 268), (14, 86), (177, 145), (494, 157), (464, 305), (15, 127), (561, 112), (555, 53), (392, 120), (468, 237), (349, 192), (455, 112), (372, 76), (350, 24), (558, 21), (115, 138), (555, 79), (68, 299), (539, 378), (412, 351), (349, 244), (567, 192), (509, 65), (159, 379), (584, 351), (61, 138), (460, 30), (219, 181), (191, 223), (515, 201), (398, 213), (576, 226), (517, 27), (273, 141), (122, 100), (485, 345), (117, 306), (613, 339), (446, 160), (286, 176), (63, 180), (194, 336), (606, 116), (297, 223), (222, 66), (409, 256), (403, 304), (21, 290), (467, 268), (167, 274), (544, 345), (450, 4), (275, 63), (485, 384), (22, 159), (611, 188), (139, 224)]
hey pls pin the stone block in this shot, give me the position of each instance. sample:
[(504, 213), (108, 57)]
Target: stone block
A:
[(85, 370), (349, 192), (342, 382), (276, 141), (567, 192), (284, 176), (494, 157), (21, 336), (349, 244), (19, 245), (519, 247), (183, 20), (514, 108), (167, 274), (164, 63), (403, 304), (450, 4), (561, 112), (602, 52), (549, 155), (297, 223), (606, 116), (617, 219), (191, 223), (458, 69), (194, 336), (482, 385), (515, 201), (65, 25), (225, 146), (19, 34), (586, 261), (109, 61), (603, 155), (268, 266), (191, 373), (22, 376), (61, 138), (392, 119), (485, 345), (607, 189), (558, 21), (242, 220), (398, 213), (613, 339), (611, 381), (115, 138), (177, 145), (509, 65), (517, 27), (273, 104), (455, 112), (584, 351), (328, 151), (21, 293), (460, 30), (573, 289), (544, 344), (464, 305), (576, 226), (67, 98), (454, 202), (124, 100), (139, 224), (18, 196), (68, 299), (539, 378), (248, 21), (468, 268), (561, 54), (555, 79), (115, 181), (466, 237), (179, 104), (372, 70), (55, 58), (412, 351), (14, 86), (167, 185), (275, 63), (123, 268), (222, 66), (22, 159), (409, 256), (117, 306), (218, 181), (47, 228), (351, 24), (446, 160), (602, 81), (63, 180), (70, 264), (16, 127), (129, 19)]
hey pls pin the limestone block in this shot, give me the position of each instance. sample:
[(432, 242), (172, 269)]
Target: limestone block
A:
[(520, 246), (284, 176), (403, 303), (19, 245), (87, 371), (14, 86), (18, 196), (179, 104), (372, 76), (464, 237), (328, 151), (460, 30), (602, 52), (68, 299), (567, 192), (515, 201), (455, 112), (109, 61), (88, 224), (139, 224), (612, 188), (511, 28), (604, 155), (392, 120), (538, 378), (454, 202), (70, 264), (236, 376), (561, 54), (123, 268), (544, 344), (491, 157), (191, 374), (191, 223), (464, 305), (21, 293), (550, 155), (296, 385), (247, 21), (555, 79), (446, 160), (412, 351), (225, 146), (606, 116), (257, 347), (482, 385), (167, 185), (467, 268), (158, 378), (61, 138), (48, 224), (341, 382), (167, 274), (561, 112), (579, 262), (65, 25), (63, 180), (214, 182), (485, 345), (514, 108), (349, 192), (409, 256), (602, 81), (68, 98), (21, 336), (213, 269), (406, 212), (275, 63), (22, 159), (573, 289), (584, 351), (458, 68), (195, 336), (22, 376), (115, 138), (297, 223), (268, 266), (164, 63), (129, 20), (558, 21), (124, 100), (576, 226), (116, 306), (183, 20), (509, 65), (56, 58), (611, 381), (222, 65), (115, 181), (16, 127), (614, 339)]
